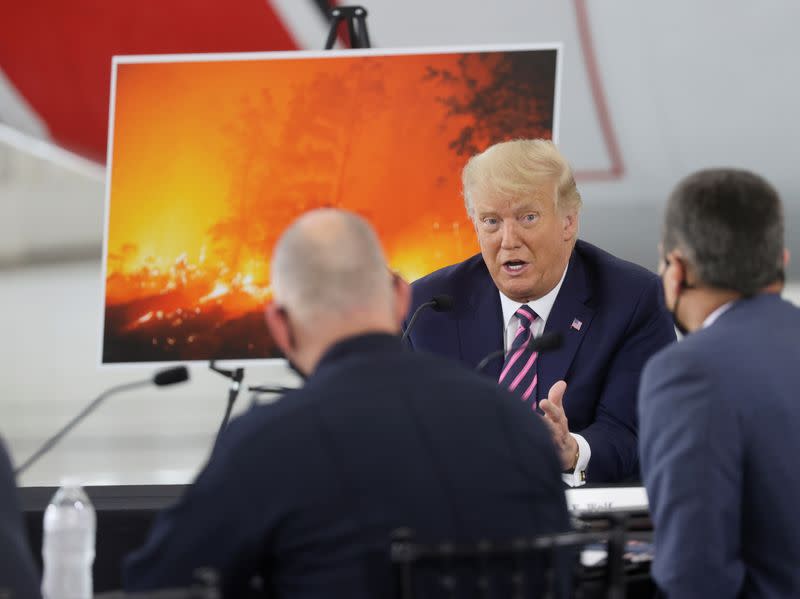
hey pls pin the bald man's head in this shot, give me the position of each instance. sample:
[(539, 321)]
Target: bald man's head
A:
[(330, 282), (330, 263)]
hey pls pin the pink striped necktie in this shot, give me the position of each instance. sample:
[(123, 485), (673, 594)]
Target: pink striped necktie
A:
[(519, 368)]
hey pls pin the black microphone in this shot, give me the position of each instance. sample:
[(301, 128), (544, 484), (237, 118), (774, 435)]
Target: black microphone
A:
[(440, 303), (170, 376), (543, 343)]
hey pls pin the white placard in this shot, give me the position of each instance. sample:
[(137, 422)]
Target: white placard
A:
[(600, 499)]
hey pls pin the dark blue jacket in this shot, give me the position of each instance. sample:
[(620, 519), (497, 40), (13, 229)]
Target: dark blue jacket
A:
[(305, 492), (18, 574), (719, 418), (623, 322)]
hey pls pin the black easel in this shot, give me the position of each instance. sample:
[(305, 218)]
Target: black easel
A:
[(236, 377), (356, 19)]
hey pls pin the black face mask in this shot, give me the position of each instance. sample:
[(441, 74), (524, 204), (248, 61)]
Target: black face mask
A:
[(682, 329), (292, 366)]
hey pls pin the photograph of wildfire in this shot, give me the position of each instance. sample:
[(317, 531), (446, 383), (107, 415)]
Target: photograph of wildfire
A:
[(210, 158)]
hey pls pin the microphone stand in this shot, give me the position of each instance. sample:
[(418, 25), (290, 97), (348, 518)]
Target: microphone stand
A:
[(236, 377), (543, 343), (414, 316), (71, 424), (488, 358), (161, 379)]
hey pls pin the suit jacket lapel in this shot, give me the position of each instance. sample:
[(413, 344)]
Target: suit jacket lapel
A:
[(571, 317), (480, 323)]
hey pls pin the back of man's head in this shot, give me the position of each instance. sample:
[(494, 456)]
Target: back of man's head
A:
[(329, 264), (729, 225)]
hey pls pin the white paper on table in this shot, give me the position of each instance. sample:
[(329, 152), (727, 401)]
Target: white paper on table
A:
[(598, 499)]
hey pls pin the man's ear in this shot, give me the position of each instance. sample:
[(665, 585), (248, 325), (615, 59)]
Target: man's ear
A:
[(677, 272), (402, 298), (278, 325), (570, 221), (787, 256)]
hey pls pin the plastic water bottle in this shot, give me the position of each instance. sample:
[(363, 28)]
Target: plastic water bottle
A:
[(68, 544)]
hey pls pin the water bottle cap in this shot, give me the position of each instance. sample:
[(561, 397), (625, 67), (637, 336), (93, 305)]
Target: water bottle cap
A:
[(70, 480)]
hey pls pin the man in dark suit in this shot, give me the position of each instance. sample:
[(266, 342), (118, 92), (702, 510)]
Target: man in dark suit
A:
[(534, 276), (18, 574), (719, 410), (306, 491)]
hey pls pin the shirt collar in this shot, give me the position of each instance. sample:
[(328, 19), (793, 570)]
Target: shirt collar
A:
[(712, 318), (541, 306), (363, 344)]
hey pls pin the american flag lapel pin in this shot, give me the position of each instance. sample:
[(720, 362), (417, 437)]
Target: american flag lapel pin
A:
[(576, 324)]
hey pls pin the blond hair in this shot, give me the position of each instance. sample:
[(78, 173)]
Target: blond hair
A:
[(517, 168)]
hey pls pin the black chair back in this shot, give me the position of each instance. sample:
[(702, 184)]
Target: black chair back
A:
[(174, 593), (542, 567), (205, 588)]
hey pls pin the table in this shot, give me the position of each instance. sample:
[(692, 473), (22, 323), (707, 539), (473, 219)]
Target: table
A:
[(125, 514)]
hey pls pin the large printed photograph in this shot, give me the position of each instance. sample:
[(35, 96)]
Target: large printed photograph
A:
[(211, 157)]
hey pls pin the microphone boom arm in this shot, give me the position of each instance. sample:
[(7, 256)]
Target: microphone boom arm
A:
[(236, 376), (414, 319), (543, 343), (48, 445), (439, 303)]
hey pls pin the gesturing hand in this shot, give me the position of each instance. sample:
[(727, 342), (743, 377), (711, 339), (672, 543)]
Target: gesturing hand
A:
[(556, 420)]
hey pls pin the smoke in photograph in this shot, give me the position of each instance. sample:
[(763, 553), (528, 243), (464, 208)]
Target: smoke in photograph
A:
[(212, 160)]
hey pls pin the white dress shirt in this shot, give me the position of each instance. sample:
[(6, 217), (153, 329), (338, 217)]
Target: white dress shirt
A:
[(543, 307), (712, 318)]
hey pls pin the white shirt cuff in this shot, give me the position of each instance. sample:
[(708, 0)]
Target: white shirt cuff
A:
[(578, 477)]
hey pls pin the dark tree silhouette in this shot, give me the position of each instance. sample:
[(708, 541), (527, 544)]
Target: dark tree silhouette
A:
[(325, 118), (251, 142), (283, 168), (502, 95)]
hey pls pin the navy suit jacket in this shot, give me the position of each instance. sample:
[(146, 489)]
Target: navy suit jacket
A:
[(719, 416), (18, 574), (306, 491), (623, 322)]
